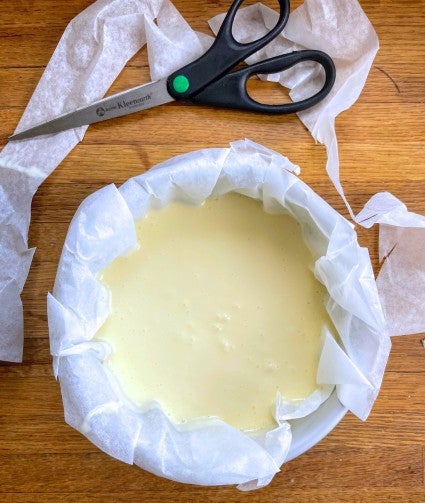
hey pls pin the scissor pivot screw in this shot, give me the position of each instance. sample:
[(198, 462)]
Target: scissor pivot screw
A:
[(180, 84)]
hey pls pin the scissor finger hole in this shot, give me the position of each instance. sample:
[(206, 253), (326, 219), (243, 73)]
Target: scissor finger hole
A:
[(266, 92), (248, 25)]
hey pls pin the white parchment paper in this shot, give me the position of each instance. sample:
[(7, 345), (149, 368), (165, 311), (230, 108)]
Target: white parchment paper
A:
[(338, 27), (92, 51), (209, 452), (401, 279)]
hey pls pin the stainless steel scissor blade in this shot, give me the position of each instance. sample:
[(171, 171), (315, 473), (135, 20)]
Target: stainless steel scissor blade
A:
[(127, 102)]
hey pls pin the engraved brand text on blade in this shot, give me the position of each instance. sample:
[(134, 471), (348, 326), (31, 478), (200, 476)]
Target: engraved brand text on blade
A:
[(100, 111)]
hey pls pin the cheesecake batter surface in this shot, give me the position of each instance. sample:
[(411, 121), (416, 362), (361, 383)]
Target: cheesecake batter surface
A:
[(215, 312)]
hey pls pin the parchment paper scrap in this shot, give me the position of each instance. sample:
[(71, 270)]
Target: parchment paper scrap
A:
[(338, 27), (401, 280), (92, 51)]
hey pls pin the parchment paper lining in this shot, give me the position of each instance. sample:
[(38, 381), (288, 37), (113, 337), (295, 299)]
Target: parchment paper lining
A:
[(208, 452)]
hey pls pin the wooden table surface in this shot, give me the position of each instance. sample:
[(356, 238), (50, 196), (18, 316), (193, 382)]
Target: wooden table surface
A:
[(382, 147)]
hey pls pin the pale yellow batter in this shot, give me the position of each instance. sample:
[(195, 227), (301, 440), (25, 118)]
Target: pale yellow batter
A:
[(215, 312)]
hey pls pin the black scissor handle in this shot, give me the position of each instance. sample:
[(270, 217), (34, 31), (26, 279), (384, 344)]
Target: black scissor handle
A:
[(230, 91), (225, 53)]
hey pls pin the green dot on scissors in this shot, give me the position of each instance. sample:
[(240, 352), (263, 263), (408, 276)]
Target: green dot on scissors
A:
[(180, 84)]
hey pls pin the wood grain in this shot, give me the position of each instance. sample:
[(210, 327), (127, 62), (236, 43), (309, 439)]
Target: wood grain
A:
[(382, 147)]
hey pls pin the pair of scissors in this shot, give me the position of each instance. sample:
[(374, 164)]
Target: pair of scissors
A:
[(206, 81)]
